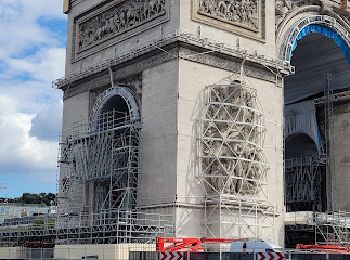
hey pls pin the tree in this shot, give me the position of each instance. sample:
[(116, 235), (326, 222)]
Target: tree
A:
[(31, 198)]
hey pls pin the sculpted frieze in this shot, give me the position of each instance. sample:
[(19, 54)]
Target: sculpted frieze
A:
[(282, 8), (239, 12), (116, 19), (242, 16)]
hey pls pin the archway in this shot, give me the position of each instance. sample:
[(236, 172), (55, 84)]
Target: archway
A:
[(119, 99), (328, 26), (315, 40), (107, 155), (318, 47), (116, 103)]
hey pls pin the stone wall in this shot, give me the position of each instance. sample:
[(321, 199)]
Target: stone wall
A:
[(341, 157)]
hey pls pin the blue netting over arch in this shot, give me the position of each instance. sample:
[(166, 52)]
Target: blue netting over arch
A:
[(326, 31)]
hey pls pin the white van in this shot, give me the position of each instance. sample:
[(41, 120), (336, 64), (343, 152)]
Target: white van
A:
[(254, 247)]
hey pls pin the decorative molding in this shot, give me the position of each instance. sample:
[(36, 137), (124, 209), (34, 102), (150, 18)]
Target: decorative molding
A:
[(283, 7), (239, 16), (176, 37), (292, 15), (288, 39), (117, 20), (229, 63), (125, 93)]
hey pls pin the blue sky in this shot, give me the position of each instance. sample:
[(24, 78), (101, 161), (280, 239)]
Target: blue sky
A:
[(32, 55)]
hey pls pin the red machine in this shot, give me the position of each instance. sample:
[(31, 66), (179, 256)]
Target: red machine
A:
[(191, 244), (327, 248)]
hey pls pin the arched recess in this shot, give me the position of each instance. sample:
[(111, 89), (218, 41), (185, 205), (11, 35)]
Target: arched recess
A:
[(329, 26), (317, 43), (107, 159), (315, 40), (111, 97)]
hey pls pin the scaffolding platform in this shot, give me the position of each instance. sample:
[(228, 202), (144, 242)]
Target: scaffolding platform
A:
[(115, 227), (318, 227)]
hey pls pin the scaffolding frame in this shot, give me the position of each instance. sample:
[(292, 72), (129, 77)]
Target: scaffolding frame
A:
[(303, 182), (114, 227), (102, 156), (333, 227), (105, 151), (233, 167), (330, 227)]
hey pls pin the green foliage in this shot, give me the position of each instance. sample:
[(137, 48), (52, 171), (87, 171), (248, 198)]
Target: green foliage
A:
[(31, 198)]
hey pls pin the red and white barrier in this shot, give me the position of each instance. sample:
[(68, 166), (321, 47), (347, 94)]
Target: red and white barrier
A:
[(172, 255), (261, 256), (271, 256)]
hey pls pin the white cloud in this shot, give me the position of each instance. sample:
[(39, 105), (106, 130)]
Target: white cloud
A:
[(17, 147), (31, 96), (19, 28), (46, 64), (31, 56)]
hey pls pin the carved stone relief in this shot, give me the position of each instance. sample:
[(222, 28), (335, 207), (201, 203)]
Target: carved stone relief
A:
[(282, 8), (117, 19), (242, 16), (285, 7)]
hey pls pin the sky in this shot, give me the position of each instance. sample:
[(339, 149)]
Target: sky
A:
[(32, 55)]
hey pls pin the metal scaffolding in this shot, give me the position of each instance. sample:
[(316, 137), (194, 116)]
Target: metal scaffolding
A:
[(309, 227), (100, 168), (114, 227), (233, 165), (304, 184), (332, 228), (105, 153), (307, 184)]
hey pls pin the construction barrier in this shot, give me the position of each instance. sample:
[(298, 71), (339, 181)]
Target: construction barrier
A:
[(233, 256), (191, 256), (173, 255), (317, 257), (139, 252), (224, 256), (270, 256)]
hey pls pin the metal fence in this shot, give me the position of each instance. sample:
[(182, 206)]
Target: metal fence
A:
[(143, 252)]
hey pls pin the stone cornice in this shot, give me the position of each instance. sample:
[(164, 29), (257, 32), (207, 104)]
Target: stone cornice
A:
[(172, 52), (157, 45)]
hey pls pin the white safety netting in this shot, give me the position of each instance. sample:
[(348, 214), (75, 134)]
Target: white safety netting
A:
[(301, 118)]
